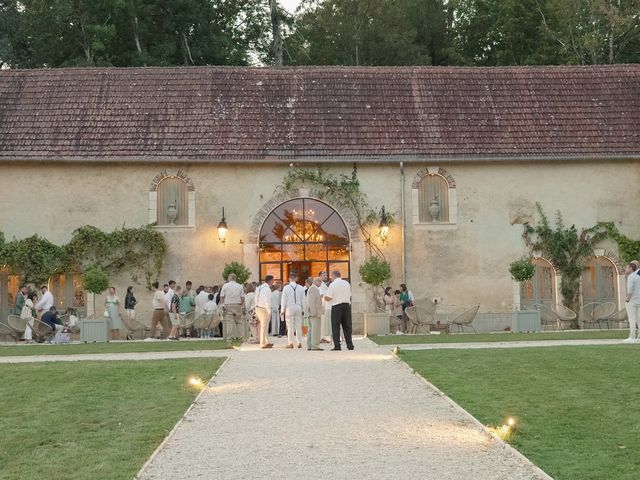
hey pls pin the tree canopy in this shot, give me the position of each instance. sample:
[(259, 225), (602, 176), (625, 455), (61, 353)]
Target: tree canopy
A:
[(57, 33)]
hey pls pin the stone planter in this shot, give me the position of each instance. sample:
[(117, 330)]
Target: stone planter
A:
[(376, 324), (525, 321), (93, 330)]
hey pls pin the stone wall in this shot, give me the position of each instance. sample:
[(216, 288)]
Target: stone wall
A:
[(464, 263)]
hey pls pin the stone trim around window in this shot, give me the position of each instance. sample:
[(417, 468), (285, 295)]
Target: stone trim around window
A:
[(191, 199), (453, 200)]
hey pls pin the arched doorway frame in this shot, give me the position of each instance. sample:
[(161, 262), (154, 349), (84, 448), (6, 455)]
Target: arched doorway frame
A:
[(619, 284), (270, 207)]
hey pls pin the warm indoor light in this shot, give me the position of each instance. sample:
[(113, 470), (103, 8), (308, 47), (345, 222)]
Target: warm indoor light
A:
[(384, 226), (222, 229)]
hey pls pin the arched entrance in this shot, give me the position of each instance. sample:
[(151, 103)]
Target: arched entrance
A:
[(303, 235), (541, 289), (599, 281)]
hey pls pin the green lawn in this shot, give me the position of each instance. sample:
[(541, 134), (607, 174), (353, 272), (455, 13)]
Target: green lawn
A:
[(119, 347), (576, 406), (500, 337), (90, 420)]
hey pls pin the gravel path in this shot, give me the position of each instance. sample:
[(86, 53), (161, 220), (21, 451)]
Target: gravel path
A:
[(294, 414), (80, 357)]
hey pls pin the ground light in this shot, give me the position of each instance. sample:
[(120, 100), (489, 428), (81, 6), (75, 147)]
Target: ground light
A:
[(506, 430), (196, 382)]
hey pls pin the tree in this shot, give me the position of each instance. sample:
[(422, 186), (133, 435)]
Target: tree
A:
[(595, 31), (502, 32), (374, 272), (95, 280), (57, 33), (368, 32), (242, 272)]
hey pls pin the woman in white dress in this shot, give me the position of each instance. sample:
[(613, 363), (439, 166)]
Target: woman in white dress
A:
[(250, 309), (27, 314), (111, 305)]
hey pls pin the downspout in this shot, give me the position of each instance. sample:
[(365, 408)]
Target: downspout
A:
[(402, 218)]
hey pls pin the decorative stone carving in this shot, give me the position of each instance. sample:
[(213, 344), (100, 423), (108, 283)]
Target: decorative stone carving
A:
[(168, 174)]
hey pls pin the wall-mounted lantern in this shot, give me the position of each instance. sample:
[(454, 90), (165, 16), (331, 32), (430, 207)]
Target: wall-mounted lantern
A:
[(222, 229), (383, 228)]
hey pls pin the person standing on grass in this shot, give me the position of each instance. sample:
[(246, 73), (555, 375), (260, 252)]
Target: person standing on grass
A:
[(201, 299), (21, 298), (263, 310), (159, 311), (130, 303), (632, 304), (339, 293), (231, 300), (174, 311), (112, 306)]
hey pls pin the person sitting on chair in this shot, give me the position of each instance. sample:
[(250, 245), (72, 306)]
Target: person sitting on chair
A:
[(51, 318)]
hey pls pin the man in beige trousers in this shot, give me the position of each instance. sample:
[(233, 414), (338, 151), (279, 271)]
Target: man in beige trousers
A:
[(315, 310)]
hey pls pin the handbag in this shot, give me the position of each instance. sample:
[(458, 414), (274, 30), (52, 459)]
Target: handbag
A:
[(106, 314)]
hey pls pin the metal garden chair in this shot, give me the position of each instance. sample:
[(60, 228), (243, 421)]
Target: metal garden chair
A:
[(465, 319)]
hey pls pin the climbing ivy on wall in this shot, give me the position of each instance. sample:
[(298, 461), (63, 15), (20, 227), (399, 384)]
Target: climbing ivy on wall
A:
[(566, 248), (628, 248), (336, 188), (139, 251)]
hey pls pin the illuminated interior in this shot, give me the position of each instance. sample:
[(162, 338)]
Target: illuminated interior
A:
[(306, 236)]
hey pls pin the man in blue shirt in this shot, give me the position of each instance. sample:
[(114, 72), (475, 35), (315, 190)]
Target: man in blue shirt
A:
[(51, 318)]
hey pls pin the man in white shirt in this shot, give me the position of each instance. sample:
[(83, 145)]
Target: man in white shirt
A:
[(168, 294), (211, 306), (325, 322), (275, 310), (339, 292), (46, 302), (201, 299), (291, 308), (263, 310), (632, 302), (232, 299), (159, 312)]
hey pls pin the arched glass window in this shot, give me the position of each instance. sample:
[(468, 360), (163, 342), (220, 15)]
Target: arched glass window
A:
[(541, 289), (433, 199), (173, 203), (306, 236), (599, 281)]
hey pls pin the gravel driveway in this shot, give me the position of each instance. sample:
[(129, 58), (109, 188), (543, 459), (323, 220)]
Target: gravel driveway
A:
[(294, 414)]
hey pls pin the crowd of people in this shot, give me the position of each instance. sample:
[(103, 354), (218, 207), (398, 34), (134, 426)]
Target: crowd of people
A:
[(30, 306), (396, 302), (250, 312)]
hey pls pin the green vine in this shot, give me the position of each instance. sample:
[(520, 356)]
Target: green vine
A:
[(341, 188), (628, 248), (134, 250), (566, 248)]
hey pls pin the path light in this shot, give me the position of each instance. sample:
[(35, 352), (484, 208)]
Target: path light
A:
[(383, 228), (222, 229), (196, 382)]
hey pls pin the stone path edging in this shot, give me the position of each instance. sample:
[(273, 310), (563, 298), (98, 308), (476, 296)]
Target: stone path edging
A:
[(178, 423), (515, 344)]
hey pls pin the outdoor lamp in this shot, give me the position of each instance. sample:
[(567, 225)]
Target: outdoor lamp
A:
[(222, 229), (384, 226)]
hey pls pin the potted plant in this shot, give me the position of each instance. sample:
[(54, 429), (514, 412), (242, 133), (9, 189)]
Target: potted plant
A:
[(523, 270), (242, 272), (95, 280), (374, 272)]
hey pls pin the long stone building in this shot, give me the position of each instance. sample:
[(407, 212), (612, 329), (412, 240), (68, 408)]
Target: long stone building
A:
[(458, 156)]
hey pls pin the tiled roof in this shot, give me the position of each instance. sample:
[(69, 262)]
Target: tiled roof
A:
[(339, 113)]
